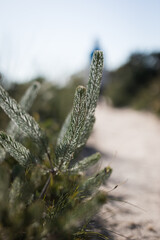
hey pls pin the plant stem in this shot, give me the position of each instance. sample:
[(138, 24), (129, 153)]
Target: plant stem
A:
[(45, 188)]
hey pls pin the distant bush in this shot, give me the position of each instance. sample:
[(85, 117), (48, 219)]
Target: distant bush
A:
[(137, 83), (43, 192)]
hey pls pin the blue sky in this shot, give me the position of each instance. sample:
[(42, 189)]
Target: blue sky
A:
[(54, 38)]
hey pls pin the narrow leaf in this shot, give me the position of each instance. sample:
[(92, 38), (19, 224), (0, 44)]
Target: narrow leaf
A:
[(67, 147), (24, 121), (16, 150), (95, 182), (86, 162), (29, 96), (93, 86), (64, 128), (26, 103), (92, 95)]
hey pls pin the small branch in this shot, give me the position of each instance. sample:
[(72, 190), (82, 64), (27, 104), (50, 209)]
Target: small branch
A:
[(45, 188), (54, 172), (49, 158)]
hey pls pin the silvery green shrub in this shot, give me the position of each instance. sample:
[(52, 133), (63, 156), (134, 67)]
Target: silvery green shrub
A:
[(44, 193)]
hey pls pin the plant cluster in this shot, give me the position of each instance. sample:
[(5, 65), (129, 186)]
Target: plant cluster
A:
[(44, 193)]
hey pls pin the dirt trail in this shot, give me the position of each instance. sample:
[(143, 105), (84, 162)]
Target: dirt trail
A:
[(130, 142)]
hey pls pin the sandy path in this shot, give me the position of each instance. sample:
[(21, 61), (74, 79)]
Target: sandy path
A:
[(130, 142)]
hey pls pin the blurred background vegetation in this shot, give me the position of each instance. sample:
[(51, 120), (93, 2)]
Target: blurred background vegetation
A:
[(136, 83)]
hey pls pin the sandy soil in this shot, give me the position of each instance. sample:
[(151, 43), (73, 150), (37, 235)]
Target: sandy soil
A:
[(130, 143)]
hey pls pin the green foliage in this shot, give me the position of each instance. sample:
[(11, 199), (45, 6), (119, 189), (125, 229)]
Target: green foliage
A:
[(16, 113), (66, 149), (86, 162), (137, 83), (26, 103), (45, 195), (16, 150), (94, 182)]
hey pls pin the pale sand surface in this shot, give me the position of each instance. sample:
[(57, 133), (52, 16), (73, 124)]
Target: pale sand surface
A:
[(130, 142)]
